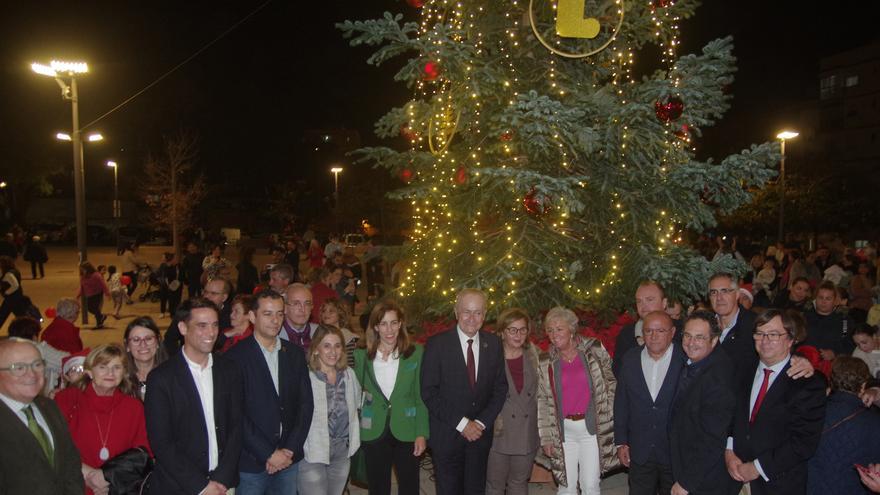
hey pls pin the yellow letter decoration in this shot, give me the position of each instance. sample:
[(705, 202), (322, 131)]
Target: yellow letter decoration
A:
[(571, 23)]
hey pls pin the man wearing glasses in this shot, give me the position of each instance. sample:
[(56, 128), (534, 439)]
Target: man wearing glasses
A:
[(646, 385), (703, 410), (38, 457), (297, 310), (778, 420)]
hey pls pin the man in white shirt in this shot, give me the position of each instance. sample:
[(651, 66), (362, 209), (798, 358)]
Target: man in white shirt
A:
[(193, 411), (778, 420)]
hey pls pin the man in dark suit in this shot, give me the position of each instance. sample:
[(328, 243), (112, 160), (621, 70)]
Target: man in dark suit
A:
[(646, 385), (737, 323), (38, 456), (778, 421), (649, 298), (702, 411), (277, 402), (193, 411), (464, 388)]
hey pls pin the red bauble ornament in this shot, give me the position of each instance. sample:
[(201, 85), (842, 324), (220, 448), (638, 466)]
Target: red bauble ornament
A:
[(406, 175), (506, 136), (431, 71), (461, 175), (533, 205), (51, 313), (415, 3), (125, 279), (659, 4), (670, 110)]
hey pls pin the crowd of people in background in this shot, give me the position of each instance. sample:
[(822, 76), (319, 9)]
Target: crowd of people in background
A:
[(263, 381)]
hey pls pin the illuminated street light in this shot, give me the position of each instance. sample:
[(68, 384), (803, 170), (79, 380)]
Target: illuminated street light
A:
[(63, 136), (95, 136), (65, 74), (783, 136)]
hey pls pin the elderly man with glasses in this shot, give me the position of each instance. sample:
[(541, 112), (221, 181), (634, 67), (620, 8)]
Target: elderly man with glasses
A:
[(39, 457), (297, 329)]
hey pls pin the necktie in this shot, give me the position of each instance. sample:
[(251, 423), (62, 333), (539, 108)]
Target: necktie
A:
[(471, 364), (761, 393), (40, 434)]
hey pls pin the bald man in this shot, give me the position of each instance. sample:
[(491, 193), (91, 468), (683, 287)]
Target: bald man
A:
[(38, 456)]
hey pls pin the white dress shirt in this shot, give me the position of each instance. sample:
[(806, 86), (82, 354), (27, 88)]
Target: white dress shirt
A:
[(17, 408), (386, 372), (204, 379), (475, 347), (655, 370)]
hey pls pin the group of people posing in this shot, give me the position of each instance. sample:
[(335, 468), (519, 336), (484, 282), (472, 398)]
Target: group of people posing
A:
[(289, 402)]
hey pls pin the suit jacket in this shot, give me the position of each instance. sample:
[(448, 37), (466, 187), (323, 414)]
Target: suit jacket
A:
[(448, 394), (272, 420), (409, 416), (701, 417), (785, 433), (176, 427), (740, 345), (23, 465), (516, 427), (640, 421)]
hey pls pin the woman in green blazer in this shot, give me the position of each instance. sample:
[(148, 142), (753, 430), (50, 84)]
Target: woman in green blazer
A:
[(394, 420)]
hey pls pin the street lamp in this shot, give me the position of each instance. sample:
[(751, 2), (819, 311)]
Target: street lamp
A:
[(65, 74), (783, 136), (336, 171)]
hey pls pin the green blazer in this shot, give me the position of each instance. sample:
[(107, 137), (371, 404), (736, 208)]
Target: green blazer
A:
[(409, 416)]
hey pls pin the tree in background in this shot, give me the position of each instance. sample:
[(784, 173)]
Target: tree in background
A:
[(169, 190), (540, 167)]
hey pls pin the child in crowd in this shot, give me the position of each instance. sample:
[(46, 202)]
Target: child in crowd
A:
[(117, 290)]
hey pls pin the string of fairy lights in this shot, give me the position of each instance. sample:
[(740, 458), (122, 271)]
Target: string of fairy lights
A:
[(454, 172)]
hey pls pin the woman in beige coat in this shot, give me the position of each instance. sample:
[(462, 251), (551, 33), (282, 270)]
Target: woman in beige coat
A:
[(575, 406)]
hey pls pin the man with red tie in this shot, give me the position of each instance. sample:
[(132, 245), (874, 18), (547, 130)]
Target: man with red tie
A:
[(778, 420), (464, 386)]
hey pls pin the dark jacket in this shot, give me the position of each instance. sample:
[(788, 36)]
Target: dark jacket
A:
[(192, 268), (24, 468), (740, 344), (272, 420), (785, 432), (701, 417), (640, 421), (851, 436), (176, 427), (34, 251), (832, 331)]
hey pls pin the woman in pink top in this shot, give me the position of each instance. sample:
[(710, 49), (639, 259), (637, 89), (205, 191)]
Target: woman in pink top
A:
[(575, 406), (93, 286)]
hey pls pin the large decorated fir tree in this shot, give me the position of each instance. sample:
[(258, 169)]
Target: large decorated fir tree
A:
[(539, 166)]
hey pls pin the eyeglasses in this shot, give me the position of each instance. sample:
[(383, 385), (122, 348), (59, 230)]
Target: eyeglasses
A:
[(148, 340), (661, 331), (697, 338), (19, 369), (771, 336), (723, 291), (299, 304), (517, 331)]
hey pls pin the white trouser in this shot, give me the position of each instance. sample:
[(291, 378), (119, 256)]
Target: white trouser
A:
[(581, 459)]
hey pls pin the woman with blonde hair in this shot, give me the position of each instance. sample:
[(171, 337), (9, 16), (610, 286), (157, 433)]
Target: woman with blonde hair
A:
[(515, 441), (334, 435), (575, 406), (334, 313), (389, 368), (104, 418)]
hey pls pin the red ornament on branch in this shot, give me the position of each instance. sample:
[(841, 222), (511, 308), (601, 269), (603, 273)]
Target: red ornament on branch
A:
[(659, 4), (670, 110), (431, 71), (461, 175), (406, 175), (506, 136), (533, 205), (417, 4)]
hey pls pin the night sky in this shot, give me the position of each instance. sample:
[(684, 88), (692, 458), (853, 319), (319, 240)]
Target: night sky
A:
[(251, 95)]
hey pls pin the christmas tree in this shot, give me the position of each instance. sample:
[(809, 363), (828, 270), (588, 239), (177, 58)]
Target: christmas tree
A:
[(538, 165)]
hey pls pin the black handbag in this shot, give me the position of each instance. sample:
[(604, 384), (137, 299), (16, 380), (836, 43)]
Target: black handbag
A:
[(127, 471)]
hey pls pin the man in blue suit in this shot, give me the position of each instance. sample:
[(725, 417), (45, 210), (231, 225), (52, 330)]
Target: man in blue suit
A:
[(277, 402), (464, 387), (646, 385)]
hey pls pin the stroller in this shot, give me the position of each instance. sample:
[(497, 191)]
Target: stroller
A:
[(149, 279)]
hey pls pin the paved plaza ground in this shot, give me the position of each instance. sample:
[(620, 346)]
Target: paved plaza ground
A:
[(62, 280)]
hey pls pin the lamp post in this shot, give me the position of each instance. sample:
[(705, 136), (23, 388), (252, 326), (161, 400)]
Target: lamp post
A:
[(336, 171), (783, 136), (117, 209), (65, 75)]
